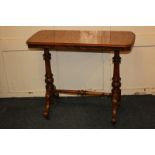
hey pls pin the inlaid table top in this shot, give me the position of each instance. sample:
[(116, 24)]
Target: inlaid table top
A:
[(80, 39)]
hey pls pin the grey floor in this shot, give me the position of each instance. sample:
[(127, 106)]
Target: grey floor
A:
[(136, 112)]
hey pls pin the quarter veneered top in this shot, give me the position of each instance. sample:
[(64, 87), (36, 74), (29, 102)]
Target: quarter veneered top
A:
[(108, 39)]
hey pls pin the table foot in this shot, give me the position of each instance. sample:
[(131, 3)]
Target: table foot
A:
[(115, 105), (113, 120), (46, 115), (47, 106)]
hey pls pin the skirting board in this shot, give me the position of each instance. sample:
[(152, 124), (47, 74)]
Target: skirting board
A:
[(135, 91)]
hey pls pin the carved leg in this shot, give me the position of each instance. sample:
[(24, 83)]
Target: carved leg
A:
[(116, 84), (50, 88)]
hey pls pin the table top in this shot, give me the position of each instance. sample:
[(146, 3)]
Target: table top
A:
[(80, 39)]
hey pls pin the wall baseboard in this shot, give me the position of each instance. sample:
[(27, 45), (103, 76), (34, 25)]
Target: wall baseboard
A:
[(21, 94), (132, 91)]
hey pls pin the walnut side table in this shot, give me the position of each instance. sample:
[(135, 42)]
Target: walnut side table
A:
[(82, 41)]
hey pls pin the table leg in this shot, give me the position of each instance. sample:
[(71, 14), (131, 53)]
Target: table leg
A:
[(50, 88), (116, 84)]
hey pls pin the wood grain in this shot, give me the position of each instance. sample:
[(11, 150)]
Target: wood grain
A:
[(78, 40)]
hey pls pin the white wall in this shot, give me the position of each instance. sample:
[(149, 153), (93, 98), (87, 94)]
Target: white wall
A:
[(22, 70)]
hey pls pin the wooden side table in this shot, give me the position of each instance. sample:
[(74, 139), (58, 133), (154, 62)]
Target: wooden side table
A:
[(82, 41)]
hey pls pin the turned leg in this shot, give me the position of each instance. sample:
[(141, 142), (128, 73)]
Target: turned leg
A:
[(50, 88), (116, 84)]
